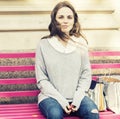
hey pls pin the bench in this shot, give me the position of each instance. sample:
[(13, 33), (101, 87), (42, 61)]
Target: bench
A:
[(18, 90)]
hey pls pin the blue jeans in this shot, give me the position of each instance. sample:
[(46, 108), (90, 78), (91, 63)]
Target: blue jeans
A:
[(51, 109)]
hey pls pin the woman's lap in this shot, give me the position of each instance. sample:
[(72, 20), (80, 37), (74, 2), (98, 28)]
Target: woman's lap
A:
[(53, 110)]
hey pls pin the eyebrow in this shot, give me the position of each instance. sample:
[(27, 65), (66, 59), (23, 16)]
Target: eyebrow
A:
[(63, 15)]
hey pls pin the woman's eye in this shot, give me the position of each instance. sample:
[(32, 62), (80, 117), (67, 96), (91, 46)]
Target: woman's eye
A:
[(70, 17), (60, 17)]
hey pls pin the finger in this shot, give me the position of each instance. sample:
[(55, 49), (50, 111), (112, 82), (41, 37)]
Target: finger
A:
[(69, 107), (74, 109), (67, 110)]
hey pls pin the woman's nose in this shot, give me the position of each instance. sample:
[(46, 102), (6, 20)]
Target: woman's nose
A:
[(65, 20)]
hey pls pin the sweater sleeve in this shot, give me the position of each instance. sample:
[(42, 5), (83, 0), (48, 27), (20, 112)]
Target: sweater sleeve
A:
[(84, 80), (43, 82)]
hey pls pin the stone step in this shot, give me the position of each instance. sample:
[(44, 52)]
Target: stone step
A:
[(17, 74), (16, 61)]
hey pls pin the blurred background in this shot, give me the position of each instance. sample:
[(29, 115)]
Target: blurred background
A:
[(24, 22)]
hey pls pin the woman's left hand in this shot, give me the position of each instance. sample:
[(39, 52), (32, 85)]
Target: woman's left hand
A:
[(72, 108)]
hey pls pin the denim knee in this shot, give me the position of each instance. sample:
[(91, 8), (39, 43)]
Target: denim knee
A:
[(55, 113), (51, 109), (92, 110), (93, 114), (88, 109)]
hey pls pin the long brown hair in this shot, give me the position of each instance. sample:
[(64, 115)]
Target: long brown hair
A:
[(54, 26)]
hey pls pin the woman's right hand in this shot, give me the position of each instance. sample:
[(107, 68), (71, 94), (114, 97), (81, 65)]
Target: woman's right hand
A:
[(67, 109)]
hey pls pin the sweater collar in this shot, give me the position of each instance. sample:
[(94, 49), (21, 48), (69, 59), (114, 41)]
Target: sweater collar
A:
[(70, 47)]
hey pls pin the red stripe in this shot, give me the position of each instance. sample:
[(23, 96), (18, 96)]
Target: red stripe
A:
[(24, 80), (19, 93), (105, 53), (32, 67), (19, 111), (32, 54), (18, 108), (29, 105), (17, 55), (106, 65), (110, 116), (18, 81), (17, 68), (21, 116)]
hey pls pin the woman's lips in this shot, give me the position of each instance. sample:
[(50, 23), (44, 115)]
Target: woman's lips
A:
[(64, 26)]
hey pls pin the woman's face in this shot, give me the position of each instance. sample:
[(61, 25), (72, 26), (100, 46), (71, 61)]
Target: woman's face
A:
[(65, 18)]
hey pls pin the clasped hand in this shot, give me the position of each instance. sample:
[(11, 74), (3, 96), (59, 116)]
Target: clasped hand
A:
[(70, 108)]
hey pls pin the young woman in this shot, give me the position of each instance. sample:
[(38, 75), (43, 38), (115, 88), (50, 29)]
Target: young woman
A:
[(63, 69)]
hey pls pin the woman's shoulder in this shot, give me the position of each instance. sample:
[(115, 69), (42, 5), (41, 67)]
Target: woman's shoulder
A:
[(44, 41), (81, 42)]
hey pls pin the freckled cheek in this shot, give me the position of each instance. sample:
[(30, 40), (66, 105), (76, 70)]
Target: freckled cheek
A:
[(71, 25), (58, 21)]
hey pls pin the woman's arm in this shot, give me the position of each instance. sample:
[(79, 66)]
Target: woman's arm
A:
[(43, 82), (84, 80)]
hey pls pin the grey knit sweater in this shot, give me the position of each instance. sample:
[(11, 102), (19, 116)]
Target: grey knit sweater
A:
[(62, 76)]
